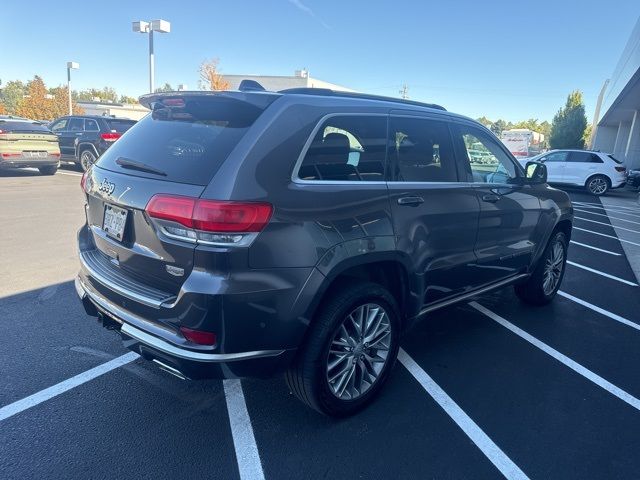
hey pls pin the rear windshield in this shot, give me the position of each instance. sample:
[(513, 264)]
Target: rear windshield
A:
[(185, 142), (614, 159), (120, 126), (22, 127)]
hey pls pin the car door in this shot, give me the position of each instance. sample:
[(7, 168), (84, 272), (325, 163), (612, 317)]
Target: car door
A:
[(435, 216), (509, 209), (61, 129), (580, 166), (556, 163), (70, 137)]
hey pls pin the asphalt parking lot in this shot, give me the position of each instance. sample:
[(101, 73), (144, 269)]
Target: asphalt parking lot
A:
[(483, 390)]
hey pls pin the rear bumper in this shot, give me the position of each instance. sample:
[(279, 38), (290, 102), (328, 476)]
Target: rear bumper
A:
[(29, 162), (148, 339)]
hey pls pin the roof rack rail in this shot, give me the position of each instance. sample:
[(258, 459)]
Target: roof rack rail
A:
[(364, 96)]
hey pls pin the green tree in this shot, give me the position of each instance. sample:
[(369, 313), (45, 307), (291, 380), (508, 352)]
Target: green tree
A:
[(485, 121), (128, 99), (105, 94), (569, 124), (498, 126), (11, 95), (165, 88)]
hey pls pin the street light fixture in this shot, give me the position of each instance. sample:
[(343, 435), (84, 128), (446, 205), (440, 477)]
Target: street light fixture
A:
[(70, 66), (160, 26)]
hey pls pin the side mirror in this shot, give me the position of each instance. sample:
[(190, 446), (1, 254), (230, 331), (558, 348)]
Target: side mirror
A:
[(536, 173)]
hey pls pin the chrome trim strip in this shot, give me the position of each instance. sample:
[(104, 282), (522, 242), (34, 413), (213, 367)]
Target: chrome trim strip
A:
[(167, 348), (150, 302), (461, 298)]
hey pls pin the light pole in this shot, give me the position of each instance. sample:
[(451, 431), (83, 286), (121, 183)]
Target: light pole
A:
[(70, 66), (161, 26)]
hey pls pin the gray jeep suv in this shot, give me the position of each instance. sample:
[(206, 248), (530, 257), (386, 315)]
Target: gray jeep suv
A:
[(245, 233)]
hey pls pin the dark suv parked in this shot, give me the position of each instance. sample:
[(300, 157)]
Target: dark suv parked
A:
[(83, 138), (245, 233)]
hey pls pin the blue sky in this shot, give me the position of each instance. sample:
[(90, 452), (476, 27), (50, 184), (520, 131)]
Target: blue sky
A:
[(502, 59)]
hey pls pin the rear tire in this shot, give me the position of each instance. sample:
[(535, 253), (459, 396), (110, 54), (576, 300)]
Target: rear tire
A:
[(48, 170), (543, 284), (598, 185), (339, 370), (87, 158)]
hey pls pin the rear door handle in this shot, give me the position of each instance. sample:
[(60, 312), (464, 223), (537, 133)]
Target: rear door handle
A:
[(410, 200), (491, 198)]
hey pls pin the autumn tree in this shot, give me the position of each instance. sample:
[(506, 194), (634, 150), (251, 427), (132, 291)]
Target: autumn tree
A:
[(42, 104), (11, 94), (210, 76), (2, 109)]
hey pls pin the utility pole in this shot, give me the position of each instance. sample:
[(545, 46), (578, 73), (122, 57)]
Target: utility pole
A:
[(404, 92)]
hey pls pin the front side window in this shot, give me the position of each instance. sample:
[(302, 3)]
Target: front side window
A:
[(555, 157), (347, 148), (488, 162), (59, 126), (420, 150)]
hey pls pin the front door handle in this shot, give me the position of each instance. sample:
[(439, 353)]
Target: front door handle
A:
[(410, 200), (490, 197)]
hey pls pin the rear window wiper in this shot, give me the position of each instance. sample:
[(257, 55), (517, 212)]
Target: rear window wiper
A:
[(143, 167)]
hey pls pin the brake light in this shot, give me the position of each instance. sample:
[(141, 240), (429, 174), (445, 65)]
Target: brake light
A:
[(110, 136), (55, 154), (209, 221), (83, 181), (199, 336), (11, 155), (621, 169)]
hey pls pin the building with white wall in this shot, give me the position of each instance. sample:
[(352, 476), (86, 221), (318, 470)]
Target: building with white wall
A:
[(134, 111), (300, 79), (618, 129)]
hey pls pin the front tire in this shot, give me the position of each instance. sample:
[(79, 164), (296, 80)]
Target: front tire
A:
[(87, 158), (598, 185), (48, 170), (349, 352), (544, 283)]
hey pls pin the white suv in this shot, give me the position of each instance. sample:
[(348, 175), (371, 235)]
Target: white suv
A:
[(596, 171)]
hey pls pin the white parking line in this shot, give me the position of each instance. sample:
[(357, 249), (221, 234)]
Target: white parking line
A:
[(595, 248), (592, 270), (70, 174), (502, 462), (244, 441), (607, 224), (55, 390), (599, 310), (608, 236), (572, 364), (601, 205), (605, 215), (611, 209)]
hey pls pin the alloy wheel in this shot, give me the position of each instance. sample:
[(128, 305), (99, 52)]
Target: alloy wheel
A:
[(598, 186), (86, 160), (359, 351), (553, 268)]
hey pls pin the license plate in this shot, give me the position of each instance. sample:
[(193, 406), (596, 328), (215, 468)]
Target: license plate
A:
[(115, 219)]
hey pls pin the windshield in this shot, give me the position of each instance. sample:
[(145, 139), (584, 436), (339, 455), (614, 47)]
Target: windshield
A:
[(187, 143), (22, 127)]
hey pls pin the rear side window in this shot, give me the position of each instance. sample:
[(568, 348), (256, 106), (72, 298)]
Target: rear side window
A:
[(584, 157), (76, 125), (347, 148), (120, 126), (185, 142), (21, 127), (90, 125), (421, 150)]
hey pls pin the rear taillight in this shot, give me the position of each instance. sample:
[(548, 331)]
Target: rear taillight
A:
[(209, 221), (199, 336), (621, 169), (110, 136), (11, 155), (54, 154), (83, 181)]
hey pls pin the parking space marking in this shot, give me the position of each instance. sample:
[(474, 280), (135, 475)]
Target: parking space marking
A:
[(247, 455), (487, 446), (70, 174), (64, 386), (607, 224), (608, 236), (598, 272), (605, 215), (599, 310), (611, 209), (572, 364), (601, 205), (595, 248)]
